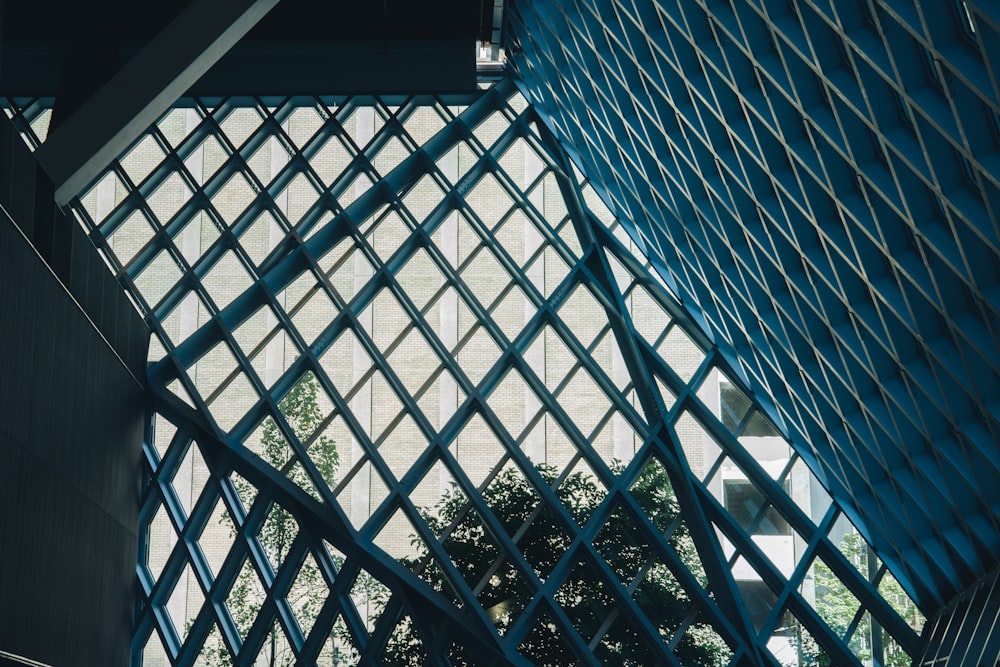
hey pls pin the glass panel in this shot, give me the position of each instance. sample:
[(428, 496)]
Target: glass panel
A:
[(700, 448), (239, 124), (157, 278), (581, 314), (757, 596), (546, 645), (217, 539), (269, 160), (398, 538), (616, 441), (420, 278), (390, 155), (185, 602), (661, 598), (834, 602), (153, 653), (807, 492), (341, 647), (485, 277), (584, 402), (176, 124), (363, 492), (168, 198), (297, 198), (514, 403), (229, 405), (732, 404), (162, 539), (330, 161), (702, 645), (423, 123), (402, 446), (277, 534), (416, 418), (648, 317), (301, 124), (547, 271), (894, 594), (261, 237), (404, 646), (749, 507), (212, 369), (513, 312), (142, 159), (477, 355), (681, 353), (189, 479), (226, 280), (275, 649), (307, 594), (792, 644), (586, 600), (205, 160)]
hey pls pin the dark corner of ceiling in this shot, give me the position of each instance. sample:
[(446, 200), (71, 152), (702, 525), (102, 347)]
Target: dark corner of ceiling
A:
[(486, 22), (68, 49), (347, 46)]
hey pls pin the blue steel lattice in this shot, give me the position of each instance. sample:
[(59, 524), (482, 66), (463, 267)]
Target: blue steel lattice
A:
[(816, 182), (335, 233)]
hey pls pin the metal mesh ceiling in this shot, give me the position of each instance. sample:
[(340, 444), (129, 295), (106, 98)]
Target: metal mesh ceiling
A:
[(817, 183)]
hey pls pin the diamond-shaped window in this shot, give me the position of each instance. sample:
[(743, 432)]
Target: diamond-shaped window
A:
[(424, 367)]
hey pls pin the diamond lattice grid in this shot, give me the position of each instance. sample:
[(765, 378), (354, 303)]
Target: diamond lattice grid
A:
[(418, 395), (816, 182)]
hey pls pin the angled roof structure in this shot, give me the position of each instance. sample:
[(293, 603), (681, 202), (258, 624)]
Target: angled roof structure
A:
[(669, 342), (363, 310), (815, 182)]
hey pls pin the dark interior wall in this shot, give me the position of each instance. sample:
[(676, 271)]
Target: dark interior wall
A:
[(27, 196), (68, 49), (71, 422)]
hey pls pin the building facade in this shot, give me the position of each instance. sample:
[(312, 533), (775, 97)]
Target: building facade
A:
[(671, 345), (535, 375)]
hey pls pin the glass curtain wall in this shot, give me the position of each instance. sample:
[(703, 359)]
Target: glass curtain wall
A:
[(420, 400)]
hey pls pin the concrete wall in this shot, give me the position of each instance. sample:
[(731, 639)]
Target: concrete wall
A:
[(71, 422)]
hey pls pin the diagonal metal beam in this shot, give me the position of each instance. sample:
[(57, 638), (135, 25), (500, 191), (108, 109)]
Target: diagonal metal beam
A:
[(331, 526), (861, 587), (706, 543), (80, 149), (281, 270)]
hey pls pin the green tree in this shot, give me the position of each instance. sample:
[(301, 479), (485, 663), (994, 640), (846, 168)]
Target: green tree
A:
[(583, 595), (838, 606), (301, 409)]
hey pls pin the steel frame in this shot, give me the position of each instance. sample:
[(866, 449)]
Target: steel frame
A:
[(319, 518), (814, 181)]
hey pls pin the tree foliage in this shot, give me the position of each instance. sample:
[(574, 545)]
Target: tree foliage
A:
[(542, 539), (300, 408), (837, 606)]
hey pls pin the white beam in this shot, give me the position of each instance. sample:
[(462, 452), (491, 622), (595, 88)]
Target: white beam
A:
[(120, 111)]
